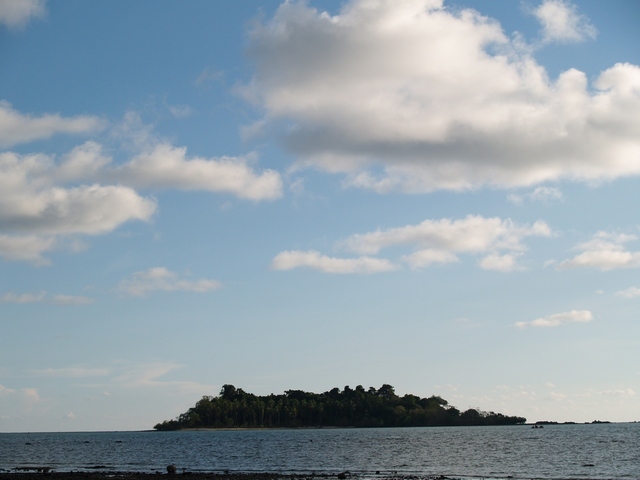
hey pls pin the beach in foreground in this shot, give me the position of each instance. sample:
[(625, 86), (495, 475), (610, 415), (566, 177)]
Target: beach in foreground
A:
[(193, 476)]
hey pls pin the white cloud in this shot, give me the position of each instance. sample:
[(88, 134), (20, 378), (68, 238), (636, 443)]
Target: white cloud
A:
[(561, 22), (157, 164), (16, 128), (440, 240), (623, 392), (501, 263), (604, 251), (166, 166), (311, 259), (428, 256), (542, 194), (31, 202), (545, 194), (407, 95), (60, 299), (160, 279), (36, 208), (27, 248), (43, 200), (630, 292), (11, 297), (474, 233), (43, 297), (574, 316), (434, 241), (85, 161), (16, 13)]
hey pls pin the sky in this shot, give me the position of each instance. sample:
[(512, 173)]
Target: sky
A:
[(441, 196)]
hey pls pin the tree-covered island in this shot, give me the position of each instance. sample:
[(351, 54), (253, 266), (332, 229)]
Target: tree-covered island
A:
[(358, 407)]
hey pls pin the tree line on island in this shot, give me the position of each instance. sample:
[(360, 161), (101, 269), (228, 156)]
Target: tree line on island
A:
[(235, 408)]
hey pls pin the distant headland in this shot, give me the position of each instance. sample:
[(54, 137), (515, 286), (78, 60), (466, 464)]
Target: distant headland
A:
[(235, 408)]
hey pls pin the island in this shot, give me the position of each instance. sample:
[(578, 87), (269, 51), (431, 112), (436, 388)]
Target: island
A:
[(357, 407)]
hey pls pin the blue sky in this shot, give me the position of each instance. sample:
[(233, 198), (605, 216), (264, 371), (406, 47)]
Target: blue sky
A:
[(439, 196)]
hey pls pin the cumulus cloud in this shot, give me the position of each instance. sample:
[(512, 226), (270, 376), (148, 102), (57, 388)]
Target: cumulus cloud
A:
[(16, 13), (311, 259), (34, 210), (561, 22), (44, 199), (555, 320), (37, 206), (155, 279), (31, 201), (28, 248), (433, 241), (604, 251), (44, 297), (439, 241), (157, 164), (166, 166), (406, 95), (16, 127)]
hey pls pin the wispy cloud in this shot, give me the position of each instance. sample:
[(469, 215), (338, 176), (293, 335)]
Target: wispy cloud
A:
[(155, 279), (72, 372), (557, 319), (539, 194), (44, 297), (311, 259)]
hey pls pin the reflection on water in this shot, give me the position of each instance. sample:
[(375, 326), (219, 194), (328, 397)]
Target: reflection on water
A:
[(555, 452)]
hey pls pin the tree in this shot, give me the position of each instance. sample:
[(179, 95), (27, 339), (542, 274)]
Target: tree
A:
[(350, 407)]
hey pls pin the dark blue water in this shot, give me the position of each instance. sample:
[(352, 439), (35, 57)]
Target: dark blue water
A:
[(555, 452)]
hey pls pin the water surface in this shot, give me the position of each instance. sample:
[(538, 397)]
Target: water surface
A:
[(554, 452)]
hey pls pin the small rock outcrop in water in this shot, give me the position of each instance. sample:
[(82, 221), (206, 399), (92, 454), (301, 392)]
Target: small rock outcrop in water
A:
[(171, 468)]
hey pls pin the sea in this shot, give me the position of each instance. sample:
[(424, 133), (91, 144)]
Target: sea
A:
[(582, 451)]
